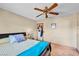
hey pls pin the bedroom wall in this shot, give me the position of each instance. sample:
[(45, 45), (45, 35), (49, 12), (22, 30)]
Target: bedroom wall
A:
[(10, 22), (78, 31), (65, 31)]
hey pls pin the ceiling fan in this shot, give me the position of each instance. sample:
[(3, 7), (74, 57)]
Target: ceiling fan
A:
[(47, 10)]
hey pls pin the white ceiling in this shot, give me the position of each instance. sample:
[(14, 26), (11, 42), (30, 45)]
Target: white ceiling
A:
[(27, 9)]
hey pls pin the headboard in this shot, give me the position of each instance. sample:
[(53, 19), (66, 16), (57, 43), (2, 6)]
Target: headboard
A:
[(7, 34)]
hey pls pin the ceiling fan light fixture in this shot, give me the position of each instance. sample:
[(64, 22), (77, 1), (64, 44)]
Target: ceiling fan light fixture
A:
[(47, 10)]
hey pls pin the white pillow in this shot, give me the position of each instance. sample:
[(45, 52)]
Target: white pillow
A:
[(20, 37), (12, 39), (4, 40)]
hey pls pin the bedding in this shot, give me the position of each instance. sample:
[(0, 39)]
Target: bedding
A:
[(14, 49), (4, 40), (35, 50), (16, 38), (23, 48)]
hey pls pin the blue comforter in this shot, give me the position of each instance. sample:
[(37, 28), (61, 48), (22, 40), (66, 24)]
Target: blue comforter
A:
[(35, 50)]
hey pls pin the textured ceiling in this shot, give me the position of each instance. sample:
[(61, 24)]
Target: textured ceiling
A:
[(27, 9)]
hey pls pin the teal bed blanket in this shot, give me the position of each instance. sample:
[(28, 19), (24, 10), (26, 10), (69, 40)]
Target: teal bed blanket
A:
[(35, 50)]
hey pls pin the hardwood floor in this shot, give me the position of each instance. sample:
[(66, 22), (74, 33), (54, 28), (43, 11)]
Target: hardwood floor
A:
[(60, 50)]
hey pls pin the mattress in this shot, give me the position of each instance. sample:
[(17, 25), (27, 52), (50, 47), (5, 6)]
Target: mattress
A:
[(14, 49)]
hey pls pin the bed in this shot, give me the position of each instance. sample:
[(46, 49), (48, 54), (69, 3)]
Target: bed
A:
[(28, 47)]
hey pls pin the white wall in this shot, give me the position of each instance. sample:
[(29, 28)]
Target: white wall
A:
[(10, 22), (78, 31), (65, 31)]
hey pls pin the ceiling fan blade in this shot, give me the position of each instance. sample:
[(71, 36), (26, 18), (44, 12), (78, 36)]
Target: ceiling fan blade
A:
[(38, 9), (54, 13), (52, 6), (39, 15)]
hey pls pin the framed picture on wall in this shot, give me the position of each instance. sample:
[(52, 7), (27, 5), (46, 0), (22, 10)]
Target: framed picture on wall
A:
[(53, 25)]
